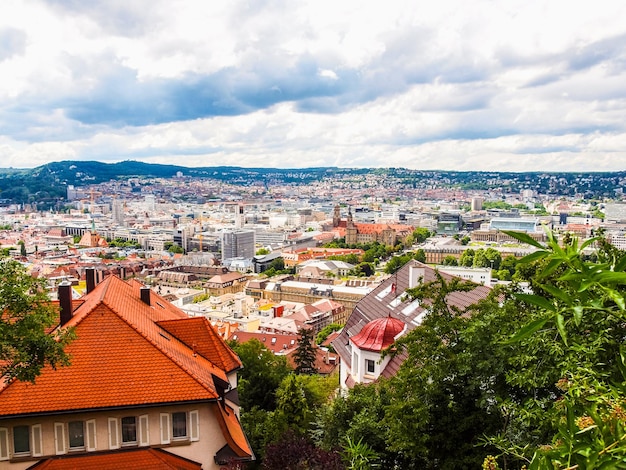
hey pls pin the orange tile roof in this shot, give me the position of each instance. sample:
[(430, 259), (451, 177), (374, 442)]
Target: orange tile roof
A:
[(231, 428), (198, 334), (121, 357), (135, 459)]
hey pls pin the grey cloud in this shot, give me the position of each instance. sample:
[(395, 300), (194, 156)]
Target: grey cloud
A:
[(12, 42), (122, 18)]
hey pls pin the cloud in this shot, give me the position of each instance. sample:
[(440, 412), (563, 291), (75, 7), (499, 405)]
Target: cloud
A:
[(12, 42), (315, 83)]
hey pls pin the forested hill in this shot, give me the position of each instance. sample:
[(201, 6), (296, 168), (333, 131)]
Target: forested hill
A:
[(47, 183)]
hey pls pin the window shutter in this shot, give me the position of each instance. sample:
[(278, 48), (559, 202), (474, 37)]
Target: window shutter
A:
[(144, 431), (91, 435), (194, 425), (37, 443), (59, 438), (165, 428), (114, 440), (4, 444)]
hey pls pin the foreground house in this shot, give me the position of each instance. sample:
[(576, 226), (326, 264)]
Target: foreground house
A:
[(384, 315), (148, 387)]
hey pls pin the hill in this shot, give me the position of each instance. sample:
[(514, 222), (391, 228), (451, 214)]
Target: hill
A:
[(46, 185)]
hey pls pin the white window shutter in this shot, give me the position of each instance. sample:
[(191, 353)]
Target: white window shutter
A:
[(59, 438), (91, 435), (114, 439), (144, 431), (37, 450), (4, 444), (165, 428), (194, 425)]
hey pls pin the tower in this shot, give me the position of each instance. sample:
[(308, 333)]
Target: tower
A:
[(336, 216), (240, 217)]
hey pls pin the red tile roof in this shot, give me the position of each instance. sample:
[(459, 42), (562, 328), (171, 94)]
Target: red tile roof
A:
[(231, 428), (135, 459), (378, 334), (198, 334), (122, 356)]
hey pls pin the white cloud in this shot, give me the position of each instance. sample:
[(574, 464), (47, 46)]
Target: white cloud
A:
[(510, 85)]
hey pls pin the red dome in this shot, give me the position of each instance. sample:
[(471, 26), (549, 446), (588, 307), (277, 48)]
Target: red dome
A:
[(378, 334)]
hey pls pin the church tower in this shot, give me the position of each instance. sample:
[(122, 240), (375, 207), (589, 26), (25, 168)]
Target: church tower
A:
[(336, 216)]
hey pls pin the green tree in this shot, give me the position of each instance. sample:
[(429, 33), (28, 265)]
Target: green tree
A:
[(261, 375), (467, 258), (442, 399), (26, 346), (450, 260), (304, 356), (419, 255), (421, 234), (293, 405), (581, 305)]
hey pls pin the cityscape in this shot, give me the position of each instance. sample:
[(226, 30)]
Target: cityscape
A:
[(265, 257), (310, 235)]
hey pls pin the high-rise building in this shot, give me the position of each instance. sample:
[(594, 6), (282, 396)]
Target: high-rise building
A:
[(237, 244), (117, 211)]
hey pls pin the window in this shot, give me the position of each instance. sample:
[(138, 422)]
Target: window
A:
[(76, 431), (370, 366), (129, 430), (21, 440), (179, 425), (26, 441)]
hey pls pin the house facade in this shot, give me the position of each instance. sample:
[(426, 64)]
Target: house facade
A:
[(147, 387)]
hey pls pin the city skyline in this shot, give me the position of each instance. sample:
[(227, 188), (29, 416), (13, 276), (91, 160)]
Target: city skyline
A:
[(503, 87)]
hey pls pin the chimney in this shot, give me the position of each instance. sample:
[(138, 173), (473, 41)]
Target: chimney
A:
[(122, 273), (90, 277), (416, 276), (145, 294), (65, 302)]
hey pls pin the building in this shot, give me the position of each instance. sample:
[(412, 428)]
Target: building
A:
[(363, 233), (148, 387), (384, 315), (238, 244)]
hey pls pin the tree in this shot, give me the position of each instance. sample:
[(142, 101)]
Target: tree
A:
[(421, 234), (450, 260), (442, 399), (26, 346), (304, 356), (467, 258), (293, 452), (326, 331), (293, 405), (261, 375), (580, 304)]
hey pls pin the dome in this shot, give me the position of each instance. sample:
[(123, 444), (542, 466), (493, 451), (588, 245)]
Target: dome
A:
[(378, 334)]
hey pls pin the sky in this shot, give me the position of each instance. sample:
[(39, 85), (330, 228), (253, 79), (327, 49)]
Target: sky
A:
[(502, 85)]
